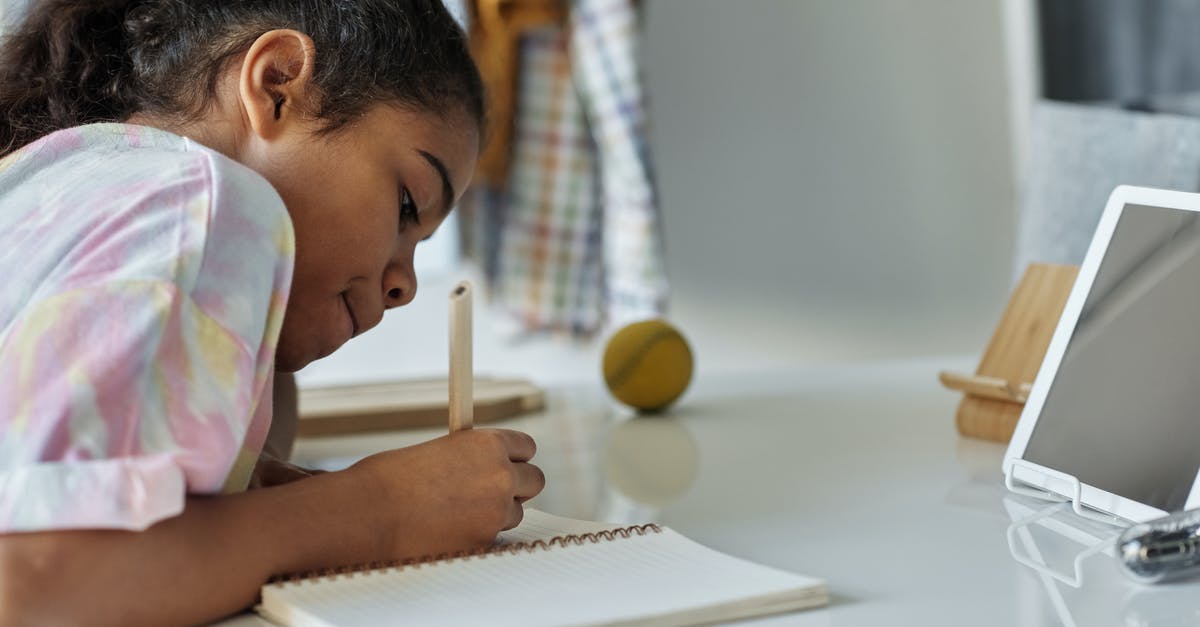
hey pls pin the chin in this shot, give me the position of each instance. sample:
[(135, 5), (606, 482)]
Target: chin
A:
[(288, 365), (287, 359), (291, 358)]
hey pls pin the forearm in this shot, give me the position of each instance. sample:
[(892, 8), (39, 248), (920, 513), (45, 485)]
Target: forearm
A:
[(450, 494), (208, 562)]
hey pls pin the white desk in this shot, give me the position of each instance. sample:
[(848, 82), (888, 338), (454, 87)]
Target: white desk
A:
[(852, 473)]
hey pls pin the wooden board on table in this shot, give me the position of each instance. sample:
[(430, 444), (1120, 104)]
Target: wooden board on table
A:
[(388, 406), (995, 396)]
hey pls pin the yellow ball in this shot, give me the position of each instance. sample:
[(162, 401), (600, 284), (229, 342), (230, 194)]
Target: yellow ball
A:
[(647, 365)]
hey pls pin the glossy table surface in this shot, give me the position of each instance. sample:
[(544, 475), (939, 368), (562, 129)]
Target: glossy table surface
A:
[(853, 473)]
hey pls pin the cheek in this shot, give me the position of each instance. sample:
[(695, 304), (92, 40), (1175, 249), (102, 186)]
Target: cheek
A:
[(311, 328), (342, 237), (331, 199), (356, 214), (315, 300)]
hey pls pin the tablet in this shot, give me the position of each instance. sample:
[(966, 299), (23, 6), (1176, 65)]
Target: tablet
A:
[(1113, 418)]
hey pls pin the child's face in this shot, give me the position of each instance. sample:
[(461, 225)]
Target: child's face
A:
[(361, 200)]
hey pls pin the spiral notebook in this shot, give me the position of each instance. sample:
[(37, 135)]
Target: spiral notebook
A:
[(550, 571)]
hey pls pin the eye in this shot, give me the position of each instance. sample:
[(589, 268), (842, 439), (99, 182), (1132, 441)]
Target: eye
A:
[(408, 210)]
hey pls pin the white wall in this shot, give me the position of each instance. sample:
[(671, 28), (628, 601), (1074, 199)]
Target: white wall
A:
[(836, 174), (836, 181)]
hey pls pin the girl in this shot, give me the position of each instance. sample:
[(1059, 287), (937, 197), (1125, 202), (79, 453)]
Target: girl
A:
[(196, 195)]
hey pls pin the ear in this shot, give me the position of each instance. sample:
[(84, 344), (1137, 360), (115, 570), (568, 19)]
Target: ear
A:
[(275, 80)]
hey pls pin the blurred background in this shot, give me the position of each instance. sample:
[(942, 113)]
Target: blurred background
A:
[(788, 181), (836, 181)]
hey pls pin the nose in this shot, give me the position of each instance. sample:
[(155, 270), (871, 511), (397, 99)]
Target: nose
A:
[(399, 284)]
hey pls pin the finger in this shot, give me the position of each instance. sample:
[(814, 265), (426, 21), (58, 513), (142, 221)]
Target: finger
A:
[(516, 514), (530, 481), (521, 447)]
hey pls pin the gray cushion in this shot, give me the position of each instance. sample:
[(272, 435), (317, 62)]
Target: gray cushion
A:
[(1077, 155)]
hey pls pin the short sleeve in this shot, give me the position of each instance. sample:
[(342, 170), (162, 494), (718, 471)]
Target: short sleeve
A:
[(146, 281), (141, 398)]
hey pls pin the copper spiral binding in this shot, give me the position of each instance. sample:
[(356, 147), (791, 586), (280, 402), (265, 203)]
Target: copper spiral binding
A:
[(517, 547)]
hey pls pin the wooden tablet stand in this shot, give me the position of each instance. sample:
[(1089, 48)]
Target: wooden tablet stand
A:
[(996, 393)]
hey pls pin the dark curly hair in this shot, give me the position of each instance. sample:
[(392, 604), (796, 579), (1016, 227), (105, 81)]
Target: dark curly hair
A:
[(72, 62)]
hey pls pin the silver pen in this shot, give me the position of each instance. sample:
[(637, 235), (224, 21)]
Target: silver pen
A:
[(1163, 549)]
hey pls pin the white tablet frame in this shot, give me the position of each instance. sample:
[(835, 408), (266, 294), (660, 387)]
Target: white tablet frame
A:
[(1023, 475)]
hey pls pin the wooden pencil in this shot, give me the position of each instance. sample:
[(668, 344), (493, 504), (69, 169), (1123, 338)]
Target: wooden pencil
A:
[(461, 375)]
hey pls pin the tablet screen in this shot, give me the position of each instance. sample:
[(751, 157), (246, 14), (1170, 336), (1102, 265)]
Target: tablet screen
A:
[(1123, 411)]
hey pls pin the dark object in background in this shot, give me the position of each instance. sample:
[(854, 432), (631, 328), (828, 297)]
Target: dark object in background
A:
[(1135, 54)]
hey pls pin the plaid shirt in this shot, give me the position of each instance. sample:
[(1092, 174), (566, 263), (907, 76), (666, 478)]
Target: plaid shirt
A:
[(575, 240)]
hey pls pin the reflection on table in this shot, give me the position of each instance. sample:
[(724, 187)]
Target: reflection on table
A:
[(853, 473)]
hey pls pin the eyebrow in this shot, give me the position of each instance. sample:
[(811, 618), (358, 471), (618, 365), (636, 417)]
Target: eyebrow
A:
[(447, 188)]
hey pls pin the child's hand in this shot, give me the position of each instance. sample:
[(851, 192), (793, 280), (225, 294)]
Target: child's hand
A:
[(453, 493)]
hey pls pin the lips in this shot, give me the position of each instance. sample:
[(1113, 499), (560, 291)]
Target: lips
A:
[(350, 312)]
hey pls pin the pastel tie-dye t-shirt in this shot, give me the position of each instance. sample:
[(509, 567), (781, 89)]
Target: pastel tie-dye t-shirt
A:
[(144, 284)]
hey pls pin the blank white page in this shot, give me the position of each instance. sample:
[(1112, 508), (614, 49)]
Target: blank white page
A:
[(661, 578)]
